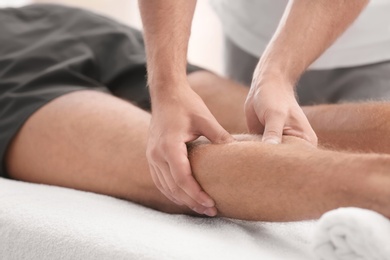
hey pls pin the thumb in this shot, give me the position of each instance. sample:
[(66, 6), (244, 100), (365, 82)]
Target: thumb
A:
[(273, 129)]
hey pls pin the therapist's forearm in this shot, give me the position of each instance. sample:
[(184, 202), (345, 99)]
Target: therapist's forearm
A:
[(167, 27), (306, 30)]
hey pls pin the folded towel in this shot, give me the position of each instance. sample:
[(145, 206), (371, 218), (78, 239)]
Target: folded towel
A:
[(352, 234)]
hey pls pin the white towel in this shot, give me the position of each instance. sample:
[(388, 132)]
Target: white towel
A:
[(45, 222), (352, 234)]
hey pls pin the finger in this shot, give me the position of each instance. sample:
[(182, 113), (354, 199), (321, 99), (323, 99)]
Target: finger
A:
[(252, 121), (159, 184), (182, 176), (301, 128), (273, 129), (213, 131), (179, 194), (310, 137), (165, 188), (313, 139), (308, 132)]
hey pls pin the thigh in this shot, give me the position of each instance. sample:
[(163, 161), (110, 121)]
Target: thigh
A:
[(40, 59), (61, 125), (89, 141)]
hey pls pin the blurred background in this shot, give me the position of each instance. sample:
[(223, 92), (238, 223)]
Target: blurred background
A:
[(205, 47)]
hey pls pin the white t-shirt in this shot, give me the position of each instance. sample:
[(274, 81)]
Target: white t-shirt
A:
[(251, 23)]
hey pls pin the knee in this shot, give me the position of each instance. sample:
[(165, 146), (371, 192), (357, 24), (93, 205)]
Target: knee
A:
[(201, 82)]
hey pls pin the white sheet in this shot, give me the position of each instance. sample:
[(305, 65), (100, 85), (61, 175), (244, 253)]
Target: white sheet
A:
[(45, 222)]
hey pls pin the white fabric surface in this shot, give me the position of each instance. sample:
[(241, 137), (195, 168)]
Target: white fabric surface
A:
[(352, 234), (250, 24), (45, 222)]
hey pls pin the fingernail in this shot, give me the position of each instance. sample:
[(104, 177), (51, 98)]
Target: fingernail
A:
[(208, 203), (210, 212), (271, 141), (196, 210)]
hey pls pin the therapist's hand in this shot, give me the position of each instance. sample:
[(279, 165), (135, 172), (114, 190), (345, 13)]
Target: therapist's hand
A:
[(178, 117), (271, 109)]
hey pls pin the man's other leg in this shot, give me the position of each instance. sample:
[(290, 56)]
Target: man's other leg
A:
[(360, 127), (224, 98)]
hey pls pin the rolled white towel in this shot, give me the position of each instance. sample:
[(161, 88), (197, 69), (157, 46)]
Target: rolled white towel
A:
[(352, 234)]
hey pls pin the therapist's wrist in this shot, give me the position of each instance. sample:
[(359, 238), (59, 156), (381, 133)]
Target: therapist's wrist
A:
[(285, 67), (165, 86), (273, 78), (166, 79)]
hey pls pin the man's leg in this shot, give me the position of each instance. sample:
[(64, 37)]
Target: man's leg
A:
[(291, 181), (90, 141), (95, 142), (224, 98), (360, 127)]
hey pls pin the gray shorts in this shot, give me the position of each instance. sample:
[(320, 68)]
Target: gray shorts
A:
[(363, 83), (48, 50)]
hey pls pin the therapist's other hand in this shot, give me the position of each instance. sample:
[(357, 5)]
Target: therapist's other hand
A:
[(272, 109), (180, 116)]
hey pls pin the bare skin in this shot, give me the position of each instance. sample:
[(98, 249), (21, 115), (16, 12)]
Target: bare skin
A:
[(291, 181), (305, 31), (176, 106), (99, 145)]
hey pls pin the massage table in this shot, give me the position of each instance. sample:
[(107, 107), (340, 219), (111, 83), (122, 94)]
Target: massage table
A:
[(48, 222)]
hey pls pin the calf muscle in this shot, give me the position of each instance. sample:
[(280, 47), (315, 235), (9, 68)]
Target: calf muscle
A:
[(292, 181)]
